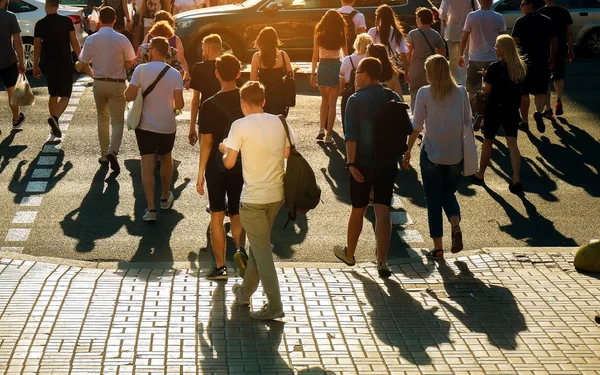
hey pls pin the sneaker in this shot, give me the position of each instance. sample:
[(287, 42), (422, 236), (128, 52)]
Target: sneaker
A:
[(548, 113), (217, 273), (340, 253), (558, 107), (477, 122), (239, 297), (539, 122), (165, 204), (384, 270), (53, 122), (321, 134), (18, 123), (524, 126), (150, 216), (114, 164), (103, 160), (241, 260), (268, 313), (329, 140)]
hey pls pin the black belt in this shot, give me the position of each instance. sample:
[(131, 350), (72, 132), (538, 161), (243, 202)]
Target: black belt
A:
[(110, 80)]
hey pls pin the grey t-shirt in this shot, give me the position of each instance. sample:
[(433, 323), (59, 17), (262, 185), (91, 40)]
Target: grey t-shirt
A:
[(422, 49), (8, 27)]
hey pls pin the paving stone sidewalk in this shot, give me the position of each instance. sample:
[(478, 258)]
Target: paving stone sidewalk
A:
[(495, 314)]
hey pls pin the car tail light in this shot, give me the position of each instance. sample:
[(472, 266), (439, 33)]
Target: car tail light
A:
[(76, 19)]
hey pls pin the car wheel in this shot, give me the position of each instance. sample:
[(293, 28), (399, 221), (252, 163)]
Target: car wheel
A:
[(231, 45), (28, 52), (591, 43)]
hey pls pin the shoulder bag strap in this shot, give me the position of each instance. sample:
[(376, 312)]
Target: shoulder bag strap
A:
[(287, 131), (352, 63), (151, 87), (473, 5), (284, 62), (427, 40)]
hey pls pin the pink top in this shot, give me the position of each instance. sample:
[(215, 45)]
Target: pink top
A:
[(329, 54)]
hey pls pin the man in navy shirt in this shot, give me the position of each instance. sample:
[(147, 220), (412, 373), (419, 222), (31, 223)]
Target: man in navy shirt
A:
[(365, 175), (535, 35)]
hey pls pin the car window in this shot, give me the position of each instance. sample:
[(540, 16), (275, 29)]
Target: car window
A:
[(18, 6), (508, 5), (307, 4), (574, 4), (376, 3), (81, 3)]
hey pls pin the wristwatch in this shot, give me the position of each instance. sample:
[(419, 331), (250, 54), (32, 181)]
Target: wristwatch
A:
[(348, 165)]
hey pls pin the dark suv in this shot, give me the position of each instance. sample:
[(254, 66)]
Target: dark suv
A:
[(239, 24)]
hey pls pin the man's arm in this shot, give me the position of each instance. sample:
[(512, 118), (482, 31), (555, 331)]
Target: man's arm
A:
[(570, 40), (553, 47), (229, 158), (37, 51), (178, 99), (193, 135), (463, 47), (74, 42), (131, 92), (206, 141), (19, 49)]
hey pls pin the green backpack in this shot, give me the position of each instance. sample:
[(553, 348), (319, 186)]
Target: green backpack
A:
[(302, 193)]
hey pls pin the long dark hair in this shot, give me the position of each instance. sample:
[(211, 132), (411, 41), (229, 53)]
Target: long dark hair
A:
[(384, 19), (267, 42), (379, 52), (331, 30)]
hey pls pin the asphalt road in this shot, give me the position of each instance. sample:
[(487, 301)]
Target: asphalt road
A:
[(85, 213)]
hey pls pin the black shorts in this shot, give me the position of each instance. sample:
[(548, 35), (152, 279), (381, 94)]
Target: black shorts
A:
[(220, 184), (60, 82), (560, 68), (536, 80), (381, 179), (154, 143), (9, 75)]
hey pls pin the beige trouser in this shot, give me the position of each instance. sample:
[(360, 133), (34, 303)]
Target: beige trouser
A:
[(257, 220), (110, 104), (459, 74)]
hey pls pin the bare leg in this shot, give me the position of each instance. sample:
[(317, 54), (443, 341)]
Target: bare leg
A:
[(540, 100), (548, 98), (166, 174), (355, 224), (515, 158), (237, 231), (383, 231), (525, 108), (559, 86), (438, 244), (57, 105), (217, 237), (14, 108), (324, 109), (332, 103), (486, 155), (148, 179)]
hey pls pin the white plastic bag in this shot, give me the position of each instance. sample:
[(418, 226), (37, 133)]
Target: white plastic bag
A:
[(134, 112), (23, 95), (94, 19)]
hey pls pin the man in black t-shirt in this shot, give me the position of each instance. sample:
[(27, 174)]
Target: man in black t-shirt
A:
[(54, 36), (217, 113), (561, 18), (535, 35)]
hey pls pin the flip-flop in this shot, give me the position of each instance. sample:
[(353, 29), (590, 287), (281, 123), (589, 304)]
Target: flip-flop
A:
[(434, 254)]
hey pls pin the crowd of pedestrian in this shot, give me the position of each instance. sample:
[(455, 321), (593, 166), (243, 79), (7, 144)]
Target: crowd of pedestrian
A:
[(244, 138)]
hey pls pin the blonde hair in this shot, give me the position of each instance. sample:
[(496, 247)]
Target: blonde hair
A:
[(162, 28), (253, 93), (441, 83), (514, 62), (213, 41), (362, 41), (161, 45)]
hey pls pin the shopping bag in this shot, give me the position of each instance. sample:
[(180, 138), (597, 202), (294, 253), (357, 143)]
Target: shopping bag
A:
[(22, 95)]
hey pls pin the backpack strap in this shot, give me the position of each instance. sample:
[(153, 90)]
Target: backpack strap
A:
[(287, 130), (153, 85), (389, 93)]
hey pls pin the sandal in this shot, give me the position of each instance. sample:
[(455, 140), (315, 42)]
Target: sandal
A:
[(435, 254), (457, 240), (477, 180)]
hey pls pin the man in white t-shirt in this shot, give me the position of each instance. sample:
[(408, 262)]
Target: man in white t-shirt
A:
[(262, 140), (357, 22), (453, 14), (482, 27), (156, 132)]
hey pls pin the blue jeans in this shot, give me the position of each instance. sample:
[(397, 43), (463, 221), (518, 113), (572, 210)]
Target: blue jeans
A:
[(440, 183)]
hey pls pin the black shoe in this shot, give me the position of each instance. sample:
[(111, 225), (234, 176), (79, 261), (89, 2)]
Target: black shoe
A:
[(217, 273), (516, 188), (524, 126), (383, 270), (53, 122), (548, 114), (103, 161), (559, 108), (241, 260), (18, 123), (114, 164), (539, 122), (477, 122)]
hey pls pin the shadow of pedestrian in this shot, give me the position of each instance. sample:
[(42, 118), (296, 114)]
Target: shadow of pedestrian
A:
[(155, 241), (95, 218), (336, 174), (285, 239), (399, 320), (489, 309), (534, 228), (7, 151), (26, 183)]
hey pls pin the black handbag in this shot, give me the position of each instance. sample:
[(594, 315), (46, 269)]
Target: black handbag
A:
[(289, 86)]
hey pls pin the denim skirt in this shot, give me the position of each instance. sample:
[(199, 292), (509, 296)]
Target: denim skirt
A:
[(328, 72)]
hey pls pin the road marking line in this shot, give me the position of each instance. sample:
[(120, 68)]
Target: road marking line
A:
[(64, 127), (66, 117), (12, 249), (24, 217), (47, 160), (33, 201), (410, 235), (51, 149), (397, 202), (36, 187), (79, 88), (70, 109), (17, 234), (400, 218), (73, 101), (42, 173)]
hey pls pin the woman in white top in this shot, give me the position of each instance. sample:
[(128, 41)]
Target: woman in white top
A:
[(329, 47), (349, 65), (180, 6), (443, 108), (389, 75), (389, 33)]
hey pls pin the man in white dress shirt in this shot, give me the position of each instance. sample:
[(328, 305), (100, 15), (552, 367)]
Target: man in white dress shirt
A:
[(111, 54), (453, 14)]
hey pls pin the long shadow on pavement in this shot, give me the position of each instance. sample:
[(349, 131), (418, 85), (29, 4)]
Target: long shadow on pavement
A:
[(534, 228), (95, 218), (401, 321), (488, 309), (8, 151), (155, 241)]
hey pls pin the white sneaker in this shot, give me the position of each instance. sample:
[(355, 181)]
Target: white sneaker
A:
[(239, 298), (321, 134), (268, 313), (166, 204), (340, 253), (329, 140), (150, 216)]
